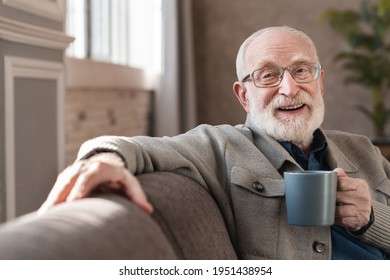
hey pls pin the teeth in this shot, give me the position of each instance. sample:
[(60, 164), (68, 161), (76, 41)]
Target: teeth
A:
[(292, 107)]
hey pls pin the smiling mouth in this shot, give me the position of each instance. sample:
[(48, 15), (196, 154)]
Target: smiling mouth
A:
[(291, 108)]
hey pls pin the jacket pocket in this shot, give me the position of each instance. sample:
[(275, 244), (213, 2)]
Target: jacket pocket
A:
[(257, 201), (262, 184)]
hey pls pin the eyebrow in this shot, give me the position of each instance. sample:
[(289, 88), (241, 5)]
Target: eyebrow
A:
[(264, 63), (301, 58)]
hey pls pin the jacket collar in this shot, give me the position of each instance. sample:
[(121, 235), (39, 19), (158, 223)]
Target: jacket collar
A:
[(336, 158), (275, 153)]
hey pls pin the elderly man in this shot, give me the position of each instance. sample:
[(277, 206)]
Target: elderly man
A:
[(280, 86)]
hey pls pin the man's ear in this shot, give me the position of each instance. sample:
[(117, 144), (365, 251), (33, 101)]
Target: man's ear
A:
[(242, 95)]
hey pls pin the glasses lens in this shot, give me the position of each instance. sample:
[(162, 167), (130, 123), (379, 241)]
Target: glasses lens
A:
[(305, 73), (266, 77)]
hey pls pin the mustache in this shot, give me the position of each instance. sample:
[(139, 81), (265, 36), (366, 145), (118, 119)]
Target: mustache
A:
[(301, 98)]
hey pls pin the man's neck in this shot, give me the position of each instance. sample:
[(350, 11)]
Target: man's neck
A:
[(305, 146)]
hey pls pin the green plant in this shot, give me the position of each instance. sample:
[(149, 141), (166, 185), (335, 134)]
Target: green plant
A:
[(367, 53)]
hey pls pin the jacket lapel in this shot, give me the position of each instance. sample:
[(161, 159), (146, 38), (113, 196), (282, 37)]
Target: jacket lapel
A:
[(336, 158), (278, 159)]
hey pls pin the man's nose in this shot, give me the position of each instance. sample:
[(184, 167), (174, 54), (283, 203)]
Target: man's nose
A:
[(288, 86)]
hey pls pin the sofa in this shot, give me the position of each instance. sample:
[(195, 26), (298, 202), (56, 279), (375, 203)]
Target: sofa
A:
[(186, 224)]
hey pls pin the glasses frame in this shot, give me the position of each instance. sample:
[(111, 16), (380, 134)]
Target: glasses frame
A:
[(281, 69)]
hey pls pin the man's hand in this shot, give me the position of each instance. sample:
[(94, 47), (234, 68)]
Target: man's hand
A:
[(353, 202), (102, 170)]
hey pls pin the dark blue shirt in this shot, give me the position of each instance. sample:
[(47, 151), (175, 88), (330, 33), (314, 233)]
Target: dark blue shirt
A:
[(344, 244)]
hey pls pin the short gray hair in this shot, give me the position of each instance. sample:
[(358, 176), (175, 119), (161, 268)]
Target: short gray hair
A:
[(241, 52)]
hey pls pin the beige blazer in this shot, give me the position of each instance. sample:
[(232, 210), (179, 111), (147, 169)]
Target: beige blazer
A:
[(242, 169)]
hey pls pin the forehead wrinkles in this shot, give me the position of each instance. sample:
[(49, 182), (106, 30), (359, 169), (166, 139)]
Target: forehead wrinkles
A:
[(281, 54)]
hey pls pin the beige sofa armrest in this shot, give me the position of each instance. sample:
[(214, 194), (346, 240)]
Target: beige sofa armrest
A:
[(186, 225)]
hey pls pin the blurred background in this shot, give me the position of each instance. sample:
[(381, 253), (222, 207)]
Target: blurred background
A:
[(72, 70)]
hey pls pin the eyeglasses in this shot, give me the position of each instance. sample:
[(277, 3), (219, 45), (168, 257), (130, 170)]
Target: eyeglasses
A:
[(272, 76)]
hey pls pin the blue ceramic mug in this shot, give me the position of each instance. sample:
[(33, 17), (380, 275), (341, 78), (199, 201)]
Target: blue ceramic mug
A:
[(310, 197)]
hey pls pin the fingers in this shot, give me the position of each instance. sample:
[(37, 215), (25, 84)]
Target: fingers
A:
[(114, 177), (352, 217), (353, 201), (135, 193), (92, 174), (82, 178), (340, 172), (62, 187)]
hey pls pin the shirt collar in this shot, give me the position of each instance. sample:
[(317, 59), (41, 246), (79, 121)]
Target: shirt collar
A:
[(316, 160), (319, 143)]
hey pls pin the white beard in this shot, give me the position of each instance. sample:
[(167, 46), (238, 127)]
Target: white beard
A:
[(297, 129)]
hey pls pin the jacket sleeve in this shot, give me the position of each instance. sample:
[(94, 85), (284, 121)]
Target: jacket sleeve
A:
[(195, 154), (379, 232)]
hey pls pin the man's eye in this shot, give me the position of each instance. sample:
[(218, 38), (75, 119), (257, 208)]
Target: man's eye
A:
[(269, 74), (302, 69)]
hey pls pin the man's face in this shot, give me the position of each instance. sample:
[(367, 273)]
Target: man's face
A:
[(290, 111)]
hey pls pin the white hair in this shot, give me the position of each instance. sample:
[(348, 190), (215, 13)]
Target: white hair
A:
[(240, 61)]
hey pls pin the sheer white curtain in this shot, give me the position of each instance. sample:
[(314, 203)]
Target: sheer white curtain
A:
[(175, 96)]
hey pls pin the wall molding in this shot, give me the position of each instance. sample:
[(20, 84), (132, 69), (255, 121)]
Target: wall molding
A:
[(20, 32), (54, 9), (17, 67)]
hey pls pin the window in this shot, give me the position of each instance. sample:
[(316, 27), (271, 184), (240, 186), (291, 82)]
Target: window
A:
[(126, 32)]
